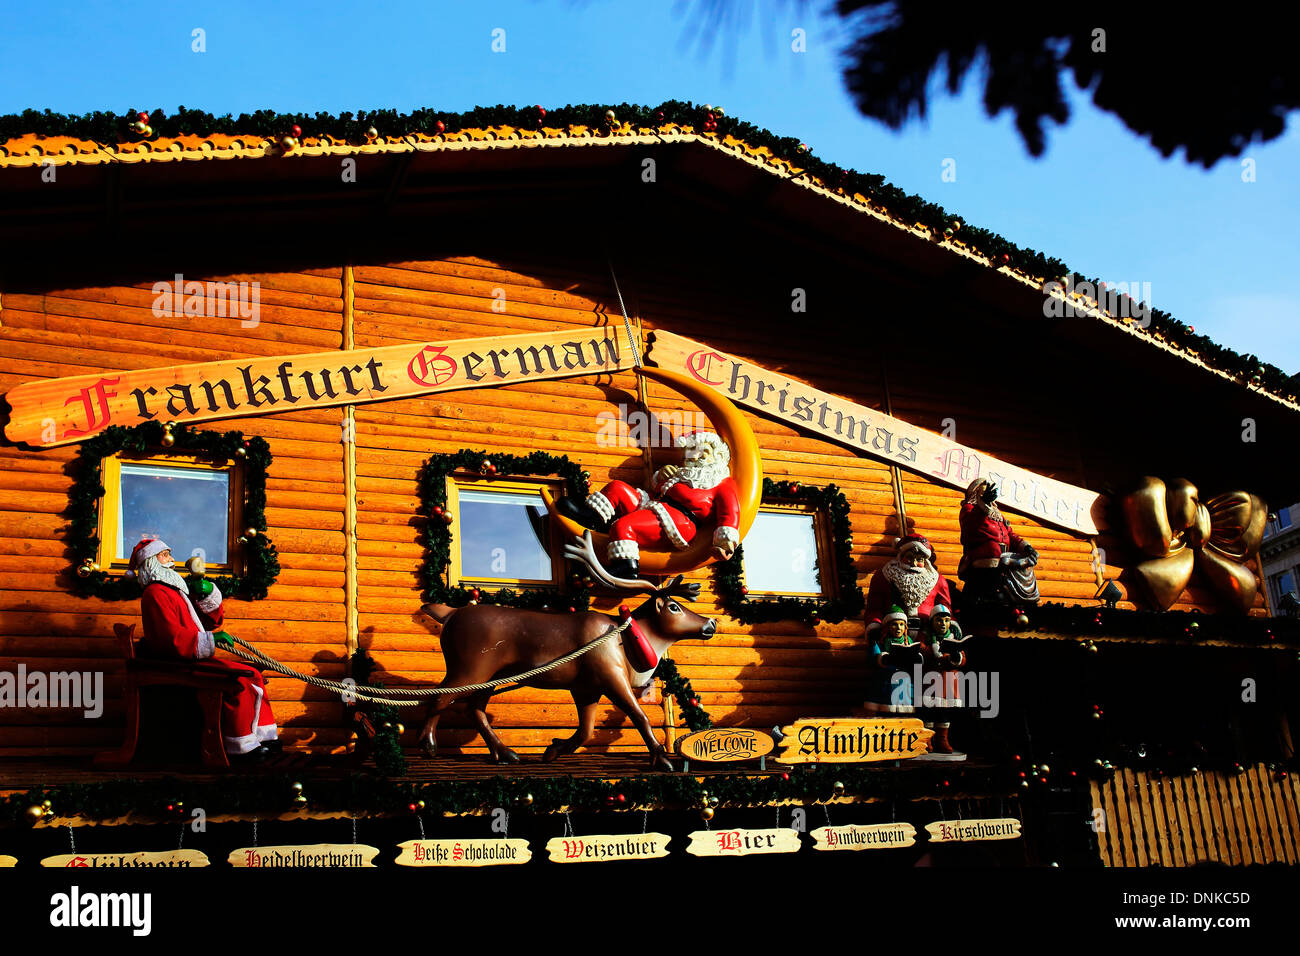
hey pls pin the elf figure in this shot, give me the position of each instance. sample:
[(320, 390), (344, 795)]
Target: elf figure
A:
[(911, 581), (944, 656), (894, 656), (680, 499), (179, 624), (996, 563)]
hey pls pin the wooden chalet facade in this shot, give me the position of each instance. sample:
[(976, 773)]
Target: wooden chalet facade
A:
[(487, 232)]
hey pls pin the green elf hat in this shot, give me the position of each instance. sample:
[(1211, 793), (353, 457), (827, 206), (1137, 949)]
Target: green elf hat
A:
[(896, 613)]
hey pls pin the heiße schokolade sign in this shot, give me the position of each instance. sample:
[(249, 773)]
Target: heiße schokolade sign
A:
[(486, 851)]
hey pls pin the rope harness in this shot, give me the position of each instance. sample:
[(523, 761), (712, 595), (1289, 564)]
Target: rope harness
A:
[(373, 694)]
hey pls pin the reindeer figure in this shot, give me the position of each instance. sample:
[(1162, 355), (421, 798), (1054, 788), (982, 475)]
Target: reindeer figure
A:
[(483, 642)]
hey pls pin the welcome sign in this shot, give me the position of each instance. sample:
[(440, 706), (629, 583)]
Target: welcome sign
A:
[(63, 410), (874, 433)]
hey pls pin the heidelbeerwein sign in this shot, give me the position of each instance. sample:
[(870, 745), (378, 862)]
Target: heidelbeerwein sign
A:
[(63, 410), (320, 854), (874, 433), (966, 831), (722, 745), (463, 852), (836, 740)]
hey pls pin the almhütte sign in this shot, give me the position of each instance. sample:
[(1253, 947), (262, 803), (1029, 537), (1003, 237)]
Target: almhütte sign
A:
[(63, 410), (873, 433)]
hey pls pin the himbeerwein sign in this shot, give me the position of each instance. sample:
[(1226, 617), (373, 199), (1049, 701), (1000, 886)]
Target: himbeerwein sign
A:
[(874, 433), (63, 410)]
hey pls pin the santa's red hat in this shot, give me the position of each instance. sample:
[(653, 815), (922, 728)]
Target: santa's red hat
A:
[(147, 548), (908, 542)]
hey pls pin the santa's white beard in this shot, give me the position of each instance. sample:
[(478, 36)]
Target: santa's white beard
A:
[(914, 583), (151, 570), (700, 474)]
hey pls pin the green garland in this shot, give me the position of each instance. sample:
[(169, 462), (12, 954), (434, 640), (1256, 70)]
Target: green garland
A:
[(387, 747), (261, 560), (108, 127), (846, 602), (1096, 621), (438, 534), (697, 718), (271, 794)]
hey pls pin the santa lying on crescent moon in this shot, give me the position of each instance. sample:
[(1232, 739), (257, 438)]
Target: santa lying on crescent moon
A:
[(681, 499)]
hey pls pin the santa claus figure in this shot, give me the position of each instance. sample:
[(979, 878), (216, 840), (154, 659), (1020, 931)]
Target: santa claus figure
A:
[(910, 581), (182, 623), (997, 565), (700, 492)]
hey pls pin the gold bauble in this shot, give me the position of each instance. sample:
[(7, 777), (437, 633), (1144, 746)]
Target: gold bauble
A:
[(401, 729), (707, 813), (300, 800), (168, 439), (241, 453), (527, 799), (35, 813), (296, 787), (839, 788), (250, 532), (83, 571), (446, 517), (46, 805), (419, 804)]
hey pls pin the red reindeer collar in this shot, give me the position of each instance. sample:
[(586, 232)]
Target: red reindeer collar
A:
[(640, 652)]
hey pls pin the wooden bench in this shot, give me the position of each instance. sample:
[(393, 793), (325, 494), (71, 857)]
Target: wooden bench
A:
[(208, 679)]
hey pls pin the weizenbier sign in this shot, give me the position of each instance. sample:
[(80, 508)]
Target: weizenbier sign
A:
[(58, 411), (874, 433)]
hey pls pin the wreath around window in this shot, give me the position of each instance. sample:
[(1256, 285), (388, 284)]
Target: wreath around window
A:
[(437, 537), (260, 559), (846, 599)]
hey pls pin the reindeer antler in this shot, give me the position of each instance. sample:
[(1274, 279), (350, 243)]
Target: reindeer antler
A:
[(675, 588), (582, 549)]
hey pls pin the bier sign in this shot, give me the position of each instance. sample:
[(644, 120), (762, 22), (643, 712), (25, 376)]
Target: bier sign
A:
[(966, 831), (466, 852), (605, 847), (874, 836), (836, 740), (164, 858), (719, 745), (743, 842), (319, 854)]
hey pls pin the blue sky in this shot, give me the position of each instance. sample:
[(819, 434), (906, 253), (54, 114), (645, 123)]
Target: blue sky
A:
[(1219, 253)]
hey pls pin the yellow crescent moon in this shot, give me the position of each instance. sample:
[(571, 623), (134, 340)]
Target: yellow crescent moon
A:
[(746, 468)]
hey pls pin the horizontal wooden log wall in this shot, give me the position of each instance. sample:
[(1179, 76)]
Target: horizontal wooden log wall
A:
[(756, 675), (44, 625), (1232, 819)]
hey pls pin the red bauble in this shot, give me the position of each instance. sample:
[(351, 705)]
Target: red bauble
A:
[(437, 509), (621, 799), (440, 126), (572, 609), (142, 117), (695, 702), (474, 593), (785, 776), (1004, 259), (297, 131)]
